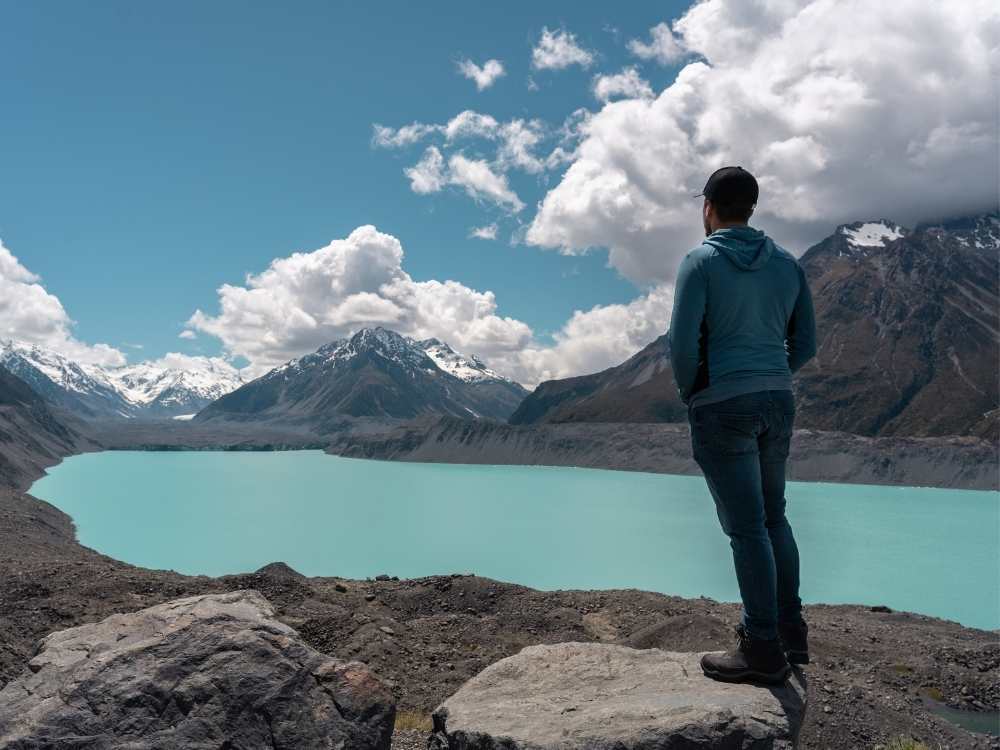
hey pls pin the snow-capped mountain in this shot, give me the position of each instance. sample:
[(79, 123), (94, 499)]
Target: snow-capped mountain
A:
[(376, 372), (470, 369), (134, 391), (908, 322)]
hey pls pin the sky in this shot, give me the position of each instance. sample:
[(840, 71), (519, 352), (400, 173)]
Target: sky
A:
[(248, 181)]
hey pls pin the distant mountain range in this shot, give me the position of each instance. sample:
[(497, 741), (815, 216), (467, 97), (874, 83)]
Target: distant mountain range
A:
[(141, 390), (909, 341), (375, 373)]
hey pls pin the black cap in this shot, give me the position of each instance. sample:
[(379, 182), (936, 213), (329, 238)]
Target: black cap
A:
[(732, 186)]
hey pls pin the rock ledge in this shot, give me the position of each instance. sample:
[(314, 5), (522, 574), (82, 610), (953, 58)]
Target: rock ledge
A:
[(604, 697), (203, 672)]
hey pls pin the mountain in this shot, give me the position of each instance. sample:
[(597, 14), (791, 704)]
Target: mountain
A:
[(143, 390), (908, 329), (641, 389), (375, 373), (31, 436), (909, 341)]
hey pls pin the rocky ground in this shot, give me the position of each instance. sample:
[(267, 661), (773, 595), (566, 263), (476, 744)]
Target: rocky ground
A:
[(875, 673), (873, 677)]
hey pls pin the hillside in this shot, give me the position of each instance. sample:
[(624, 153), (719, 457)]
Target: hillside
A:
[(31, 436), (909, 341)]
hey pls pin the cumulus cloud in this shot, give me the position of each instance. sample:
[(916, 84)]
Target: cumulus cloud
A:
[(28, 312), (663, 46), (187, 334), (844, 111), (481, 182), (470, 124), (385, 137), (595, 339), (515, 144), (428, 174), (488, 232), (475, 176), (308, 299), (484, 76), (559, 49), (628, 84)]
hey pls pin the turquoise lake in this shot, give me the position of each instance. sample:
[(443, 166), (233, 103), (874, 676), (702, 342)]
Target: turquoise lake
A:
[(926, 550)]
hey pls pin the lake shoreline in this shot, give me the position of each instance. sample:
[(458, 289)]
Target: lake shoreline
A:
[(869, 669), (955, 462)]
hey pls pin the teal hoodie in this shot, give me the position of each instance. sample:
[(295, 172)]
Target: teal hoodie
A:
[(742, 318)]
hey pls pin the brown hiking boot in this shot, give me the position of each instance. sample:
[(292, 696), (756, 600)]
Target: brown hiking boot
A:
[(794, 641), (753, 660)]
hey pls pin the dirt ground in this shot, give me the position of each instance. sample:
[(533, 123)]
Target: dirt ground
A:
[(874, 676)]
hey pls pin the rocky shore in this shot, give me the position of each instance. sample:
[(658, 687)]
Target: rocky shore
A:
[(816, 456), (876, 675)]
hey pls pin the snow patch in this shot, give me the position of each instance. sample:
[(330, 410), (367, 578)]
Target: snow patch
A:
[(872, 234), (184, 417)]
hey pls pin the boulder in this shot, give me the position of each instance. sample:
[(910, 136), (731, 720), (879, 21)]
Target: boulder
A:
[(215, 671), (607, 696)]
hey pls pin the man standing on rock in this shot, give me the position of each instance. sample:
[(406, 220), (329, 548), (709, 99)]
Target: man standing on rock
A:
[(742, 323)]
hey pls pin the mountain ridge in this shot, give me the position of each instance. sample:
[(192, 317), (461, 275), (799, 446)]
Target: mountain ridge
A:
[(909, 341), (133, 391), (374, 373)]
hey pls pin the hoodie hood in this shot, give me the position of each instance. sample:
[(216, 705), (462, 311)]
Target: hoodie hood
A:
[(747, 248)]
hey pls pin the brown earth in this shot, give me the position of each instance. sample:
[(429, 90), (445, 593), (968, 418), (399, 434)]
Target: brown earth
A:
[(872, 678)]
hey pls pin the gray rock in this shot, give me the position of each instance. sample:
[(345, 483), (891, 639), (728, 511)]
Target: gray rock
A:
[(215, 671), (605, 696)]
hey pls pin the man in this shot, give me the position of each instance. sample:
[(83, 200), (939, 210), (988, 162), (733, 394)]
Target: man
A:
[(742, 323)]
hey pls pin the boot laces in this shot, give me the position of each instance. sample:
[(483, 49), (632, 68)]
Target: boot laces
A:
[(742, 637)]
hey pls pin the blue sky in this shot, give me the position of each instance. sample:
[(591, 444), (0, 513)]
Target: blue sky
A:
[(154, 154), (151, 152)]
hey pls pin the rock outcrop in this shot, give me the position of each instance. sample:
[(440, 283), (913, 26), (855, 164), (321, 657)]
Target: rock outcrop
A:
[(213, 671), (604, 697)]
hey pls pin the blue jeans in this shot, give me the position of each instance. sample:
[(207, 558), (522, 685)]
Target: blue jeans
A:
[(741, 445)]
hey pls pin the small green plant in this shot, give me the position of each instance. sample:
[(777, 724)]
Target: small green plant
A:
[(902, 668), (413, 720)]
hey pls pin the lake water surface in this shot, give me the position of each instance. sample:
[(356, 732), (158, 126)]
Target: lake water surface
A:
[(926, 550)]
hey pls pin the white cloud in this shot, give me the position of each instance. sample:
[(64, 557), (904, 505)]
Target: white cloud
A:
[(488, 232), (187, 334), (30, 313), (428, 174), (305, 300), (595, 339), (481, 182), (470, 124), (475, 176), (484, 76), (628, 84), (308, 299), (826, 102), (189, 363), (559, 49), (663, 46), (398, 137), (518, 140)]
